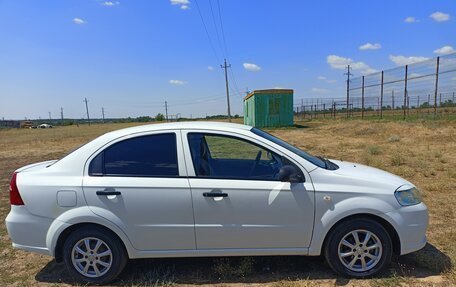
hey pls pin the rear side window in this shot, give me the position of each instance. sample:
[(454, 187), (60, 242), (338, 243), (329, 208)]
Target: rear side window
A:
[(145, 156)]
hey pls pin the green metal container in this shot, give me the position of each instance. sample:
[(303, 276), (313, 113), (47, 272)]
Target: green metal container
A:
[(269, 108)]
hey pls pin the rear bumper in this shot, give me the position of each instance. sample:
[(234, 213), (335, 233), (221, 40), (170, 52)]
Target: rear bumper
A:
[(411, 223), (27, 231)]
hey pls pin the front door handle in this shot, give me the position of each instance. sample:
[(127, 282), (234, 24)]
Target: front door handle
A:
[(215, 194), (103, 192)]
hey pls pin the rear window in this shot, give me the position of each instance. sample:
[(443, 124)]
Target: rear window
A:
[(145, 156)]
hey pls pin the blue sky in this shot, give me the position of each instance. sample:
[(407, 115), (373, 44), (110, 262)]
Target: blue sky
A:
[(131, 56)]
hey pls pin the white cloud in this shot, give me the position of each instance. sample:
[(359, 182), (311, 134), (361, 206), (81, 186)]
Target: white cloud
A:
[(319, 90), (410, 20), (440, 16), (403, 60), (251, 67), (445, 50), (323, 78), (177, 82), (179, 2), (79, 21), (210, 68), (369, 46), (340, 63), (184, 4), (110, 3)]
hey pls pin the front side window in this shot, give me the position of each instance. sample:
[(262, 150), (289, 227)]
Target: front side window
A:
[(220, 156), (144, 156)]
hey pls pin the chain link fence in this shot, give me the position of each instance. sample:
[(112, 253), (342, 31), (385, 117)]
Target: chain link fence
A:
[(424, 89)]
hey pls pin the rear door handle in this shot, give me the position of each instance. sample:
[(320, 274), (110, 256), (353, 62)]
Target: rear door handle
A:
[(103, 192), (215, 194)]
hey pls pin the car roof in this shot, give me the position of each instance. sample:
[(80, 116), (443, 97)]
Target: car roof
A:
[(205, 125)]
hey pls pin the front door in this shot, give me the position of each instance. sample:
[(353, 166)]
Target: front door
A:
[(140, 184), (238, 201)]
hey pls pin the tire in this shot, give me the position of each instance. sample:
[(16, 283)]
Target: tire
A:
[(346, 258), (103, 265)]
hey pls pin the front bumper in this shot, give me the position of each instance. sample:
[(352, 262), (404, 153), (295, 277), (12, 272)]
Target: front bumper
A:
[(27, 231), (410, 223)]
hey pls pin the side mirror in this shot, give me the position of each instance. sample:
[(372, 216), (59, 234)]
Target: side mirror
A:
[(288, 173)]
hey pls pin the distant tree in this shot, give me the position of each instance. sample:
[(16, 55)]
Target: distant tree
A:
[(159, 117), (236, 116), (144, 119)]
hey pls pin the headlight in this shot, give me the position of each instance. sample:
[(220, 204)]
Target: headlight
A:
[(408, 197)]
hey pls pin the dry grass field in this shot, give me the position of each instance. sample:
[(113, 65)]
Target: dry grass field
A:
[(423, 152)]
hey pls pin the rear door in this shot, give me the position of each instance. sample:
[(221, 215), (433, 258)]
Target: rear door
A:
[(238, 201), (140, 184)]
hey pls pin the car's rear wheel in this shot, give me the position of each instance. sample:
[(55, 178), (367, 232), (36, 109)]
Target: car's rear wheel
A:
[(93, 255), (358, 248)]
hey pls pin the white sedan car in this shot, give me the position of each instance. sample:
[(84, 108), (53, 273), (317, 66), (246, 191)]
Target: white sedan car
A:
[(209, 189)]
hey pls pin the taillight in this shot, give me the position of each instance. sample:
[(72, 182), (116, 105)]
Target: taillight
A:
[(15, 197)]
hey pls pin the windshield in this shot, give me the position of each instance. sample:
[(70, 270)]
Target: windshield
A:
[(315, 160)]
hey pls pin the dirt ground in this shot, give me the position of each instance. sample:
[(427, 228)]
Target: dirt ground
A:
[(423, 152)]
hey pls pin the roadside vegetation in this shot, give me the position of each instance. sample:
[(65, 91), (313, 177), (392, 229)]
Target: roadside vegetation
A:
[(422, 151)]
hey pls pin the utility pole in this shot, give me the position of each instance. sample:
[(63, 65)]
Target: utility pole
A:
[(87, 110), (166, 110), (102, 113), (381, 99), (436, 86), (61, 114), (362, 100), (405, 91), (348, 89), (50, 116), (225, 66)]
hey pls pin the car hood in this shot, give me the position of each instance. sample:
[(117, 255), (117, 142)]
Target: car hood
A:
[(355, 177)]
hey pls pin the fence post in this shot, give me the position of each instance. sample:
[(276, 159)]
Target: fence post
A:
[(362, 100), (418, 105), (378, 106), (405, 91), (429, 103), (454, 105), (408, 104), (436, 86), (392, 100), (381, 98), (440, 100)]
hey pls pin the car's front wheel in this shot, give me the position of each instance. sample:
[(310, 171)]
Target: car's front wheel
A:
[(358, 248), (93, 255)]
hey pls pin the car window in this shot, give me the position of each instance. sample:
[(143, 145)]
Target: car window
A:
[(152, 155), (220, 156), (313, 159)]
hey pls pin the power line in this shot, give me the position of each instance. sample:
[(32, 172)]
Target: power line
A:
[(221, 26), (234, 80), (205, 29), (216, 28), (224, 44)]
